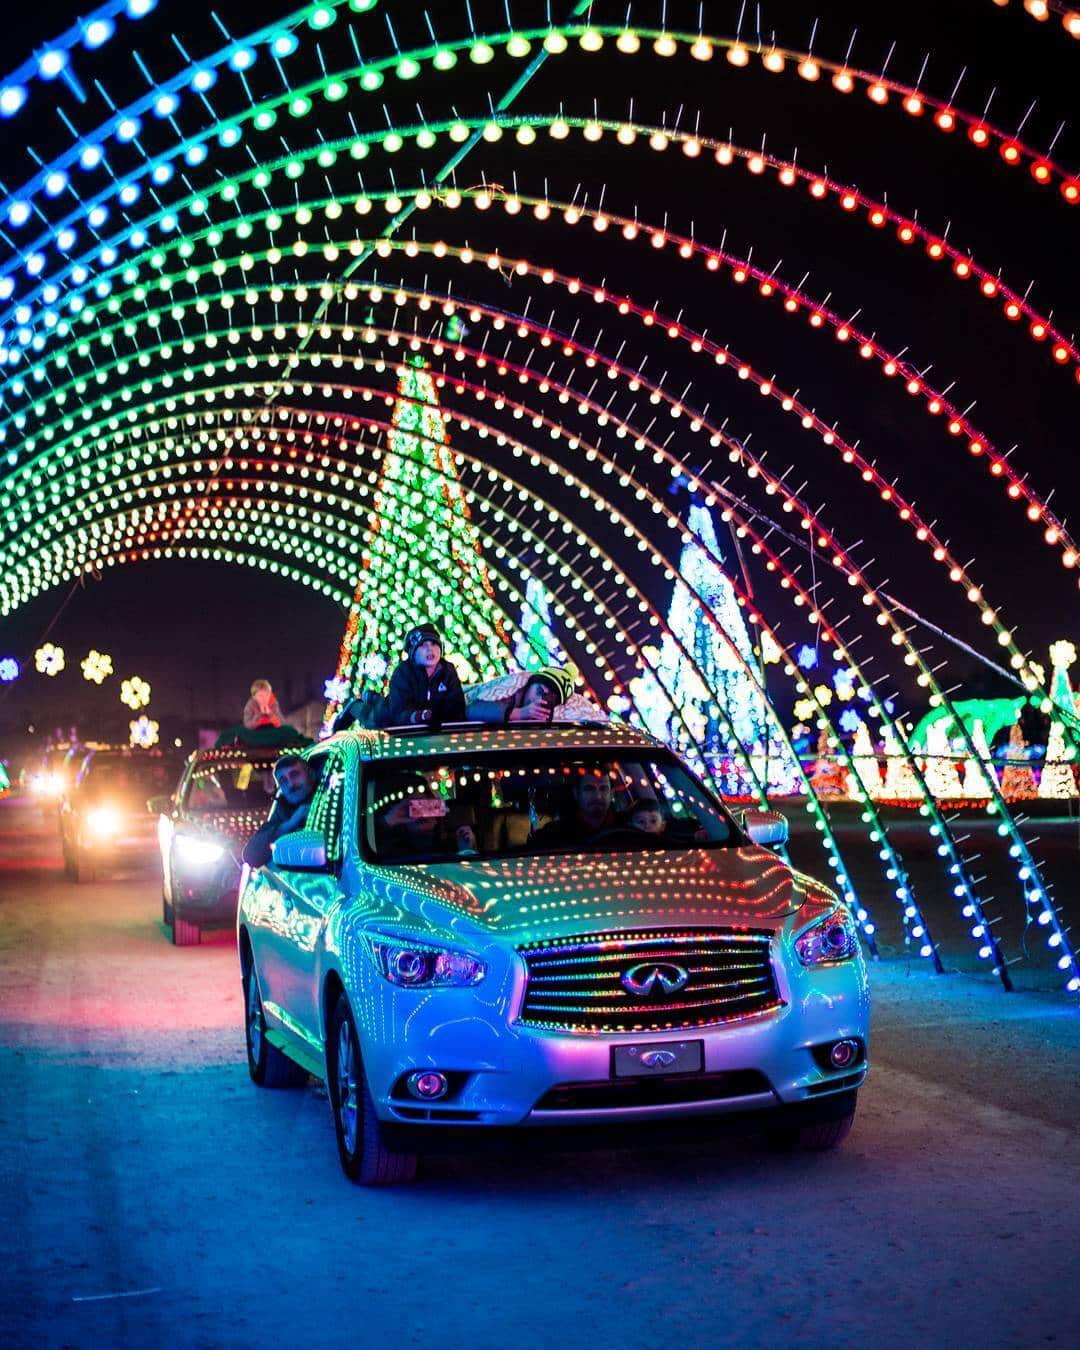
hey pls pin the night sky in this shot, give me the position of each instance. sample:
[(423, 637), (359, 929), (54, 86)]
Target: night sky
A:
[(200, 632)]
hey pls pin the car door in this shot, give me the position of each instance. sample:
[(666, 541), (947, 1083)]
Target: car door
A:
[(309, 895), (168, 820)]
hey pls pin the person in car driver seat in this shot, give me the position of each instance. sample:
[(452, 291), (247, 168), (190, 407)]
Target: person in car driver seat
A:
[(424, 689), (296, 786)]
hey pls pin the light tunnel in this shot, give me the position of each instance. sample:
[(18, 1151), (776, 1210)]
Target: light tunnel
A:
[(330, 315)]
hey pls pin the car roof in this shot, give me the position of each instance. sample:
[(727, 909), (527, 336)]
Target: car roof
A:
[(136, 753), (461, 737), (243, 754)]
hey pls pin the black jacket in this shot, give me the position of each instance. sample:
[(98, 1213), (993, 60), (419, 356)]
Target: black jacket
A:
[(258, 850), (411, 692)]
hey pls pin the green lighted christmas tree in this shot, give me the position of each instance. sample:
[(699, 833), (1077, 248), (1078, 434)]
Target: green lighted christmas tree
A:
[(420, 557)]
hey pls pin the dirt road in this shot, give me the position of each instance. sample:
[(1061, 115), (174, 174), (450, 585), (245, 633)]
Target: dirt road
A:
[(150, 1195)]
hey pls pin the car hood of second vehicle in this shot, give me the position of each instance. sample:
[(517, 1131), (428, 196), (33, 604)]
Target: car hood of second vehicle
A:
[(232, 828), (531, 899)]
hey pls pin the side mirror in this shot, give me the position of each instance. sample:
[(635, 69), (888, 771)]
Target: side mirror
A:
[(160, 806), (300, 851), (767, 828)]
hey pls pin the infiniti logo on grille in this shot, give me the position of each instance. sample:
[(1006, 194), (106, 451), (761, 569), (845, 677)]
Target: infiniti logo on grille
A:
[(652, 979)]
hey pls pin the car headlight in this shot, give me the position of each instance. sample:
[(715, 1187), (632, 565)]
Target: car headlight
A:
[(103, 820), (200, 852), (833, 938), (417, 965)]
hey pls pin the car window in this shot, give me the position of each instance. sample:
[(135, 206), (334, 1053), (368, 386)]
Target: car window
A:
[(247, 786), (522, 804), (328, 803), (128, 777)]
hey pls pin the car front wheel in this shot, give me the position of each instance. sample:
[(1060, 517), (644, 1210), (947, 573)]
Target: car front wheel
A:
[(84, 868), (184, 934), (816, 1137), (364, 1157), (268, 1066)]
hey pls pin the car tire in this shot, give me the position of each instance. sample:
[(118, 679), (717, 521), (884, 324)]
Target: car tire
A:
[(825, 1135), (268, 1066), (365, 1159), (816, 1138), (184, 934)]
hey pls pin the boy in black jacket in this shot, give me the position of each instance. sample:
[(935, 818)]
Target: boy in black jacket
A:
[(424, 689)]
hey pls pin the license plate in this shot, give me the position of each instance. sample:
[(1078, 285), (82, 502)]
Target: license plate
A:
[(657, 1057)]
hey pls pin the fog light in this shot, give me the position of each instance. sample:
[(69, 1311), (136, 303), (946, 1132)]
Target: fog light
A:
[(844, 1053), (427, 1084)]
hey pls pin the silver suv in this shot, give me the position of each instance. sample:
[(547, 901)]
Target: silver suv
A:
[(487, 929)]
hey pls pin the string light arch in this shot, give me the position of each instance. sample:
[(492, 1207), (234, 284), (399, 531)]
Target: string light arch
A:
[(60, 302)]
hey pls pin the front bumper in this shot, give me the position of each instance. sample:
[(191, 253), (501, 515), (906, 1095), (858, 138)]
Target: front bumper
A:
[(125, 848), (506, 1075), (206, 896), (772, 1120)]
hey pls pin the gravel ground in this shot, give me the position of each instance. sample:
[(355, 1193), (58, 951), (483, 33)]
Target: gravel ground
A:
[(150, 1195)]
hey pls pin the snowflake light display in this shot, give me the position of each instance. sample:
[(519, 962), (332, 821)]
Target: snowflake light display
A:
[(336, 689), (49, 659), (135, 693), (143, 732), (9, 669), (97, 667)]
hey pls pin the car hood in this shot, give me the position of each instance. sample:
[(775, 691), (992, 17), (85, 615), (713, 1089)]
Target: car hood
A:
[(536, 899), (232, 828)]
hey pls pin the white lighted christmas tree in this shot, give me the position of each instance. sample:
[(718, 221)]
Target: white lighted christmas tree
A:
[(864, 762), (538, 646), (940, 774), (900, 781), (1058, 780), (975, 787), (693, 688)]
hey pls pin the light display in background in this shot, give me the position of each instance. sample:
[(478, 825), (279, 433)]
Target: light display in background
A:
[(143, 732), (1058, 777), (135, 693), (336, 690), (1018, 776), (704, 665), (96, 666), (538, 645), (400, 587), (198, 330), (49, 659)]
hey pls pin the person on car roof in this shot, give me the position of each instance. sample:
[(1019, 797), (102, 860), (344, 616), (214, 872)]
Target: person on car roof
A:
[(536, 700), (262, 708), (424, 689)]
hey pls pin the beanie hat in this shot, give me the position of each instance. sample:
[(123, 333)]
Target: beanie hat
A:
[(559, 681), (425, 632)]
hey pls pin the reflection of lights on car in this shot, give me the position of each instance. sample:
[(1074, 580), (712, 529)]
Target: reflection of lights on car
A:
[(199, 851), (103, 820)]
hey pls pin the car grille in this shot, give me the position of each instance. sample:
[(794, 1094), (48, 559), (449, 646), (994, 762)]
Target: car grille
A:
[(620, 1093), (577, 984)]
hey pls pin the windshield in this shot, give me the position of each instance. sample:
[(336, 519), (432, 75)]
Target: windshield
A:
[(244, 786), (129, 778), (572, 801)]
